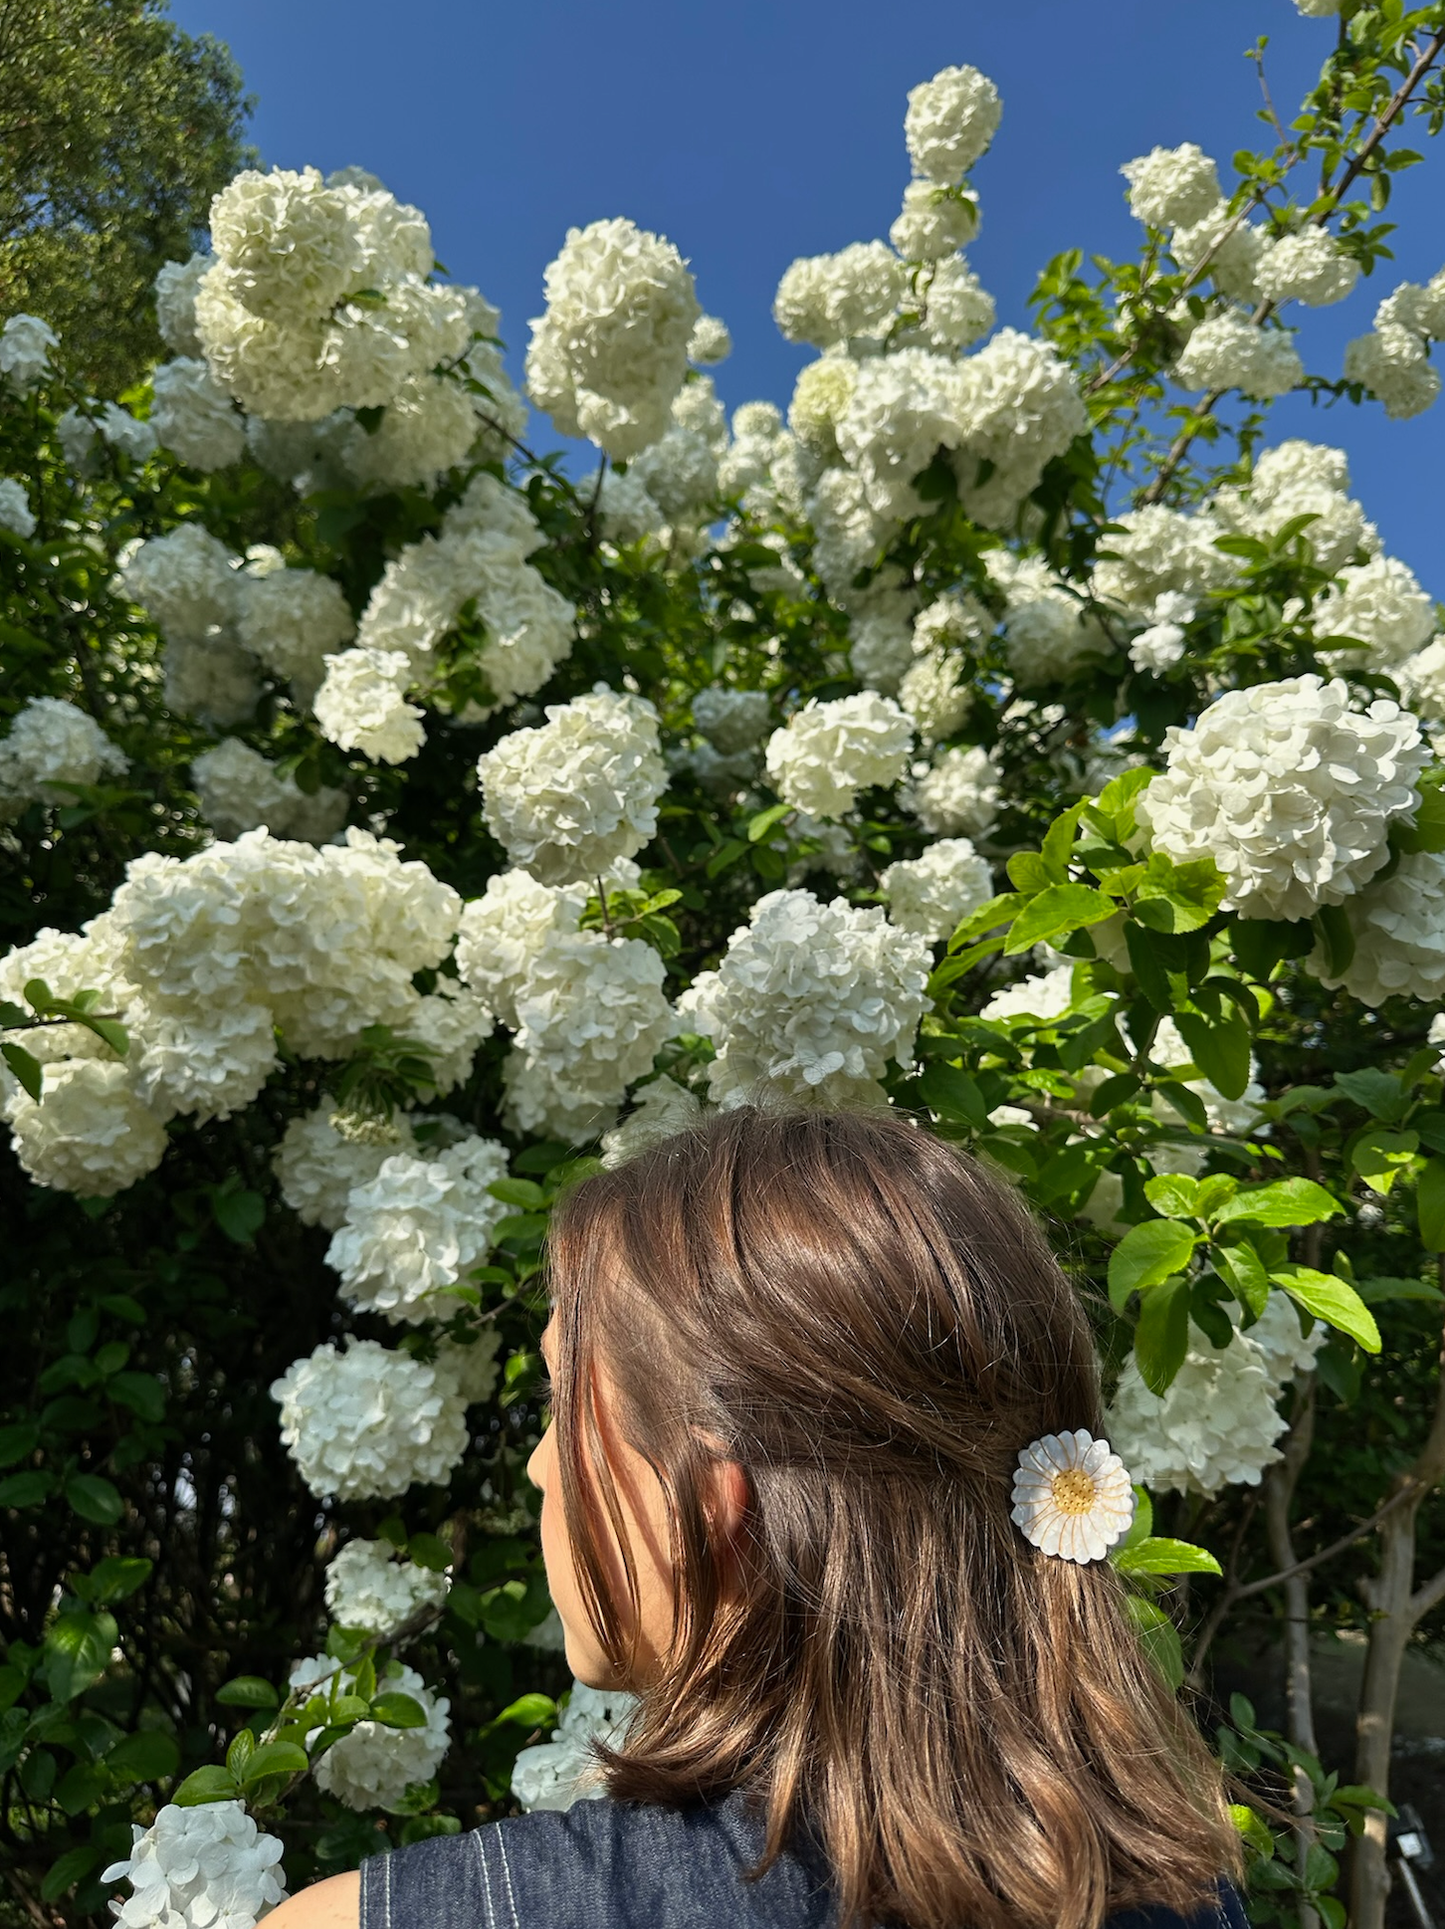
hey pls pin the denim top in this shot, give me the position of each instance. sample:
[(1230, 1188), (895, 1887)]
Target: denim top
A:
[(627, 1865)]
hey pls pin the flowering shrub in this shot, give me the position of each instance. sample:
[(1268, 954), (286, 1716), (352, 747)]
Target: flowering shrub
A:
[(398, 827)]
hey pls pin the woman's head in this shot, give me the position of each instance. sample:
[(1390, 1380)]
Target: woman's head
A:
[(795, 1359)]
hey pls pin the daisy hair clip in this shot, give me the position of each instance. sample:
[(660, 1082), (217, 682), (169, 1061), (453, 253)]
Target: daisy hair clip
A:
[(1072, 1496)]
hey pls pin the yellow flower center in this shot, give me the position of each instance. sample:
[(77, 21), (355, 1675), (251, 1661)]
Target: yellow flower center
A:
[(1073, 1491)]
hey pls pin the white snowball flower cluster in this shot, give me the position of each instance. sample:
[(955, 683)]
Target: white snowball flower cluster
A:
[(1298, 478), (372, 1766), (731, 720), (428, 427), (362, 705), (1421, 310), (316, 1166), (554, 1774), (1043, 996), (367, 1423), (1158, 647), (950, 122), (1399, 929), (829, 299), (934, 222), (25, 345), (1049, 633), (85, 433), (1309, 266), (810, 1002), (90, 1132), (175, 291), (932, 893), (609, 355), (1393, 364), (1217, 1424), (1155, 550), (49, 745), (1421, 681), (208, 1867), (368, 1589), (827, 752), (1226, 247), (1229, 351), (1172, 187), (710, 342), (957, 308), (568, 798), (821, 395), (933, 693), (504, 932), (239, 789), (663, 1109), (1381, 604), (193, 416), (290, 619), (1289, 790), (1020, 408), (958, 795), (417, 1229), (16, 515), (187, 581), (903, 409)]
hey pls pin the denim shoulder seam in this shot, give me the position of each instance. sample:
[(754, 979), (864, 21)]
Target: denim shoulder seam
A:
[(507, 1875)]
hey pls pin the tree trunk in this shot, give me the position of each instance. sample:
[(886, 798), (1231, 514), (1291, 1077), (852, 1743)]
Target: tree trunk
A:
[(1279, 1487)]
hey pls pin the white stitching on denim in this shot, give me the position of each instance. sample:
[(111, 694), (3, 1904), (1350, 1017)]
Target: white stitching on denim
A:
[(507, 1872), (486, 1879), (386, 1889)]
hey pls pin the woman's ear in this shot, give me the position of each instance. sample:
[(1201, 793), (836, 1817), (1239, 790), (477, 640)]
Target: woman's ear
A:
[(726, 1498)]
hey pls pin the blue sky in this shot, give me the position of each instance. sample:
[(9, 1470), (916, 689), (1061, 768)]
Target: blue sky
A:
[(761, 132)]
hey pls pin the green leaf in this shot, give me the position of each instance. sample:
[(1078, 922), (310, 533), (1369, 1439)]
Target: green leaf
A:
[(1161, 1338), (1160, 1555), (63, 1874), (1333, 1300), (209, 1784), (148, 1756), (1173, 1195), (1251, 1828), (1374, 1291), (1146, 961), (110, 1031), (1158, 1637), (518, 1192), (764, 821), (26, 1490), (26, 1068), (18, 1442), (1060, 907), (1430, 1206), (77, 1652), (1337, 939), (94, 1499), (1146, 1255), (1220, 1051), (528, 1711), (1058, 841), (248, 1691), (1243, 1271), (118, 1576), (1379, 1093), (396, 1710), (239, 1214), (275, 1758), (1289, 1202), (1382, 1157), (431, 1552), (952, 1094), (242, 1748), (1426, 832), (1179, 897), (987, 918)]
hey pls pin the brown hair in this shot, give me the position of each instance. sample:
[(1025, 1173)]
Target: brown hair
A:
[(874, 1328)]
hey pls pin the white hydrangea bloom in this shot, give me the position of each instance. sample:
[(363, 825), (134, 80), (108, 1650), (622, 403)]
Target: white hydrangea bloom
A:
[(709, 343), (1156, 550), (958, 309), (277, 370), (1422, 310), (934, 695), (680, 473), (239, 789), (903, 409), (592, 1015), (365, 1424), (393, 237), (361, 705), (934, 222), (1215, 1427), (52, 743), (662, 1110), (950, 122), (193, 416), (1381, 604), (450, 1023), (417, 1229), (568, 798), (288, 240), (426, 428), (1231, 247), (1021, 407), (317, 1167), (85, 433), (1288, 1350), (69, 962), (626, 513), (958, 796), (1399, 929), (610, 353), (1299, 478), (16, 515), (214, 681), (504, 932), (1309, 266), (848, 532), (291, 620), (471, 1365), (827, 752), (1421, 679), (90, 1133), (1392, 363), (821, 396), (1171, 187), (826, 299), (1229, 351), (370, 1590), (1289, 790), (208, 1058), (176, 284), (199, 1868), (554, 1774), (810, 1002), (25, 345), (372, 1766), (1048, 632), (1045, 995), (1161, 645), (932, 893), (731, 720), (187, 582), (1317, 9)]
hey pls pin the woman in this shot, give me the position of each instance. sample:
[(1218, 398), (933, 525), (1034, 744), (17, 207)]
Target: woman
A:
[(818, 1386)]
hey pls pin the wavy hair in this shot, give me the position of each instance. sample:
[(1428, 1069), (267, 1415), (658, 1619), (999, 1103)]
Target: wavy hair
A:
[(872, 1328)]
